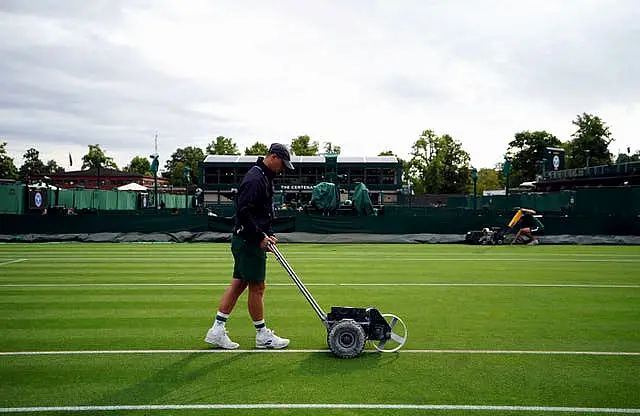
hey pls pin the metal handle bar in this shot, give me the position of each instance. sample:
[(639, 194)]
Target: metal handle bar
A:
[(319, 311)]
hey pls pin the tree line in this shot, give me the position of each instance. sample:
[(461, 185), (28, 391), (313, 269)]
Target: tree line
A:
[(437, 164)]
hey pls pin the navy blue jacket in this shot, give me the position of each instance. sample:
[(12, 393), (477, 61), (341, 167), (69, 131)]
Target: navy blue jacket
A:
[(254, 203)]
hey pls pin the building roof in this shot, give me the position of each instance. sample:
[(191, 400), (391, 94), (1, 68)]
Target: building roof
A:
[(94, 172), (303, 159)]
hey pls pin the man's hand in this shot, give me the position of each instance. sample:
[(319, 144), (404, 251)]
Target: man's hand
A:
[(268, 240)]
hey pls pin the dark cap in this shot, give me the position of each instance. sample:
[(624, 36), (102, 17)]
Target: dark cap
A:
[(282, 152)]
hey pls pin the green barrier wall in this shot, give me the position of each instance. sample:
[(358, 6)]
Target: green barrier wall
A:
[(116, 222), (581, 212), (605, 201), (455, 222), (11, 199)]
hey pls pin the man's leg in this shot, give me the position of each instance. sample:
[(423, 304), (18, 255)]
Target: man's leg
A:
[(265, 337), (256, 300), (231, 295), (217, 335), (515, 239)]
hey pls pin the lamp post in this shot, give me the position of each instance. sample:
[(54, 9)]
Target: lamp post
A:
[(474, 176), (154, 169), (187, 180), (506, 170), (588, 152)]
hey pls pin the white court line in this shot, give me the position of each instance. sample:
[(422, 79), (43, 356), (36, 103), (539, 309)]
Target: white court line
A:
[(204, 259), (12, 261), (288, 351), (540, 285), (320, 406), (328, 252)]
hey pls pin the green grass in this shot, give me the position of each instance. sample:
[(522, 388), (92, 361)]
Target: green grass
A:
[(61, 297)]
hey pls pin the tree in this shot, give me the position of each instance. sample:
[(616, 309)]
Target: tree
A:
[(590, 142), (330, 148), (191, 156), (139, 165), (222, 146), (528, 149), (628, 157), (52, 168), (96, 158), (302, 146), (438, 165), (488, 179), (7, 169), (257, 149), (387, 153), (32, 165)]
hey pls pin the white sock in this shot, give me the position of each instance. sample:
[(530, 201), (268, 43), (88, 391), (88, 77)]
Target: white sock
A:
[(221, 319), (260, 325)]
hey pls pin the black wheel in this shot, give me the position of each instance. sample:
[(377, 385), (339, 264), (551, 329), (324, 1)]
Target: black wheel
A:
[(346, 339)]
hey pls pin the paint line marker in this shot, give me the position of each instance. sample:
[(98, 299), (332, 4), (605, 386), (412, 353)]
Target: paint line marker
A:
[(12, 262)]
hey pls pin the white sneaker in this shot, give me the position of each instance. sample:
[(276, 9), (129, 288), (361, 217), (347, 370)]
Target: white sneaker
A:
[(218, 336), (267, 339)]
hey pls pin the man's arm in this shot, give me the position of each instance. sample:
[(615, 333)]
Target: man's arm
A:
[(248, 195)]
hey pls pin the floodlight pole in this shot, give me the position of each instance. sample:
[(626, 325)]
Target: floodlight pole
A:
[(187, 177), (474, 176), (154, 169)]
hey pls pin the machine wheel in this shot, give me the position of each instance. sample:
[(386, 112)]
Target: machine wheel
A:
[(346, 339), (397, 337)]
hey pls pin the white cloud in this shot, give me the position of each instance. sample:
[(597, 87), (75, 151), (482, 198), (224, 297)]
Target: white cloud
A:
[(368, 76)]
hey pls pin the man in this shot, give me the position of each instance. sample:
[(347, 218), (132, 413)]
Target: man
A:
[(252, 235), (528, 226)]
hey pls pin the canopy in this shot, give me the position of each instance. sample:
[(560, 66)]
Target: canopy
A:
[(43, 185), (132, 187)]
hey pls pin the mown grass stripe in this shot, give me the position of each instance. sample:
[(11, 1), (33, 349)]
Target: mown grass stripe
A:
[(310, 351), (182, 259), (528, 285), (320, 406)]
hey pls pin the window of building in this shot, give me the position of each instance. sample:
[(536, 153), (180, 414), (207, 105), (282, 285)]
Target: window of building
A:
[(227, 176), (373, 176), (310, 175), (389, 176), (356, 174)]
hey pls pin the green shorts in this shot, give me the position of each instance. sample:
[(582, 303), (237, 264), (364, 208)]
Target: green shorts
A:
[(250, 261)]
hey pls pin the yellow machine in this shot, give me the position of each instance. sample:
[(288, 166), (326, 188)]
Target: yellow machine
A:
[(516, 218)]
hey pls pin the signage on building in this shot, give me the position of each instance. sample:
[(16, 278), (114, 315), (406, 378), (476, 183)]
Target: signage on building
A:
[(296, 187)]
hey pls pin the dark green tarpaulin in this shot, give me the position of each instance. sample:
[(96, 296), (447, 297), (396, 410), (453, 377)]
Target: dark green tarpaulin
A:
[(361, 200), (325, 197)]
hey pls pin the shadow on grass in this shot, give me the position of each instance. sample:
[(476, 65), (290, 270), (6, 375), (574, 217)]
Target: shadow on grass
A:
[(323, 364), (158, 385)]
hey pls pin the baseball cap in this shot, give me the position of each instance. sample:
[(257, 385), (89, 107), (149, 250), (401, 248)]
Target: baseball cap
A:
[(282, 152)]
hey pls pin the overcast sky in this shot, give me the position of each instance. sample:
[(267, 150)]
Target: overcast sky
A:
[(366, 75)]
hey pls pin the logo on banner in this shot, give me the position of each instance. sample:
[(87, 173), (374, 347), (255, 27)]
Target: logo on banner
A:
[(37, 199), (556, 162)]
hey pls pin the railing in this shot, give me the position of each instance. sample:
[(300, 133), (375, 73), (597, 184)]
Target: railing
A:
[(595, 171)]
